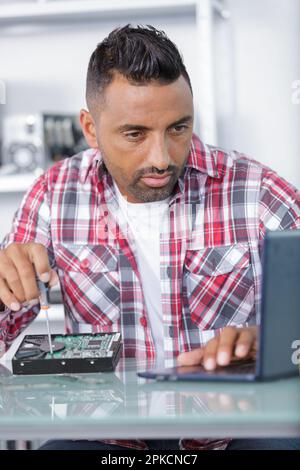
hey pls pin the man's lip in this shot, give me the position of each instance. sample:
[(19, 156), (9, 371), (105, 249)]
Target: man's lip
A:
[(157, 176), (156, 181)]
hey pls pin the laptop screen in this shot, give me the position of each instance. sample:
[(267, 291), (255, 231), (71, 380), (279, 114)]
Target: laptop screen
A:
[(280, 308)]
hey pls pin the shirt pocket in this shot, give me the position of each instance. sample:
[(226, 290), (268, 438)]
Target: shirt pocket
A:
[(218, 285), (90, 282)]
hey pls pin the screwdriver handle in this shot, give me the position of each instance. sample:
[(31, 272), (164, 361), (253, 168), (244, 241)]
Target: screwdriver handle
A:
[(44, 293)]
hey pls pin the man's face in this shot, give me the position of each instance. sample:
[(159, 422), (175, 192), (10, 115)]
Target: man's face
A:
[(144, 134)]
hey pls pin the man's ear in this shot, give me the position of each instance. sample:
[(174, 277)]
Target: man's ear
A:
[(88, 128)]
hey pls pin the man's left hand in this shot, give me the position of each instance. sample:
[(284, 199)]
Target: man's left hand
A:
[(232, 344)]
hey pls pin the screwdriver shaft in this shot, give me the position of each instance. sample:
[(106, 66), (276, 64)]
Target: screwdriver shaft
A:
[(49, 332), (44, 302)]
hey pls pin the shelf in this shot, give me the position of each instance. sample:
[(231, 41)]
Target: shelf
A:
[(16, 183), (14, 16), (90, 9)]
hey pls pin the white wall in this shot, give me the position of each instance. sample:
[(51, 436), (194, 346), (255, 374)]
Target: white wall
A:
[(266, 124), (44, 66), (44, 69)]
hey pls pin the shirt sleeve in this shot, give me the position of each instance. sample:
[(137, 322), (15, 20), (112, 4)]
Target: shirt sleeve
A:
[(279, 204), (31, 223)]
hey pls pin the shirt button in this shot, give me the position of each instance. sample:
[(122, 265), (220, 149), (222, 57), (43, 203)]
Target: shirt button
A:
[(143, 321), (85, 264)]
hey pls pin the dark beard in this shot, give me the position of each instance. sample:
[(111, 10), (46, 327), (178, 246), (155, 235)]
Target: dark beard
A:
[(153, 194)]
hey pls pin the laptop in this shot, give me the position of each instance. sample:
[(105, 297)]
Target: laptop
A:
[(278, 353)]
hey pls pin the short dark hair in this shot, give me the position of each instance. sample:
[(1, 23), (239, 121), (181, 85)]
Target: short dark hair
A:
[(141, 54)]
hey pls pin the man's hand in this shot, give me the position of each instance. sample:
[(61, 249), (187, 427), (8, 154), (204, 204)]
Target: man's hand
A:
[(19, 266), (232, 343)]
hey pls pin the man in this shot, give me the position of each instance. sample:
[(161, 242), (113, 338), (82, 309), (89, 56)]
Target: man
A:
[(152, 232)]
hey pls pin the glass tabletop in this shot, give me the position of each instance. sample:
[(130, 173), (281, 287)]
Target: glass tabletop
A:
[(122, 405)]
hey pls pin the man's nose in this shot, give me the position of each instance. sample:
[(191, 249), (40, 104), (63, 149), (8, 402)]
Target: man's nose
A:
[(158, 156)]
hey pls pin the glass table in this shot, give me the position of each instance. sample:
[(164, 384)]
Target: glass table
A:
[(122, 405)]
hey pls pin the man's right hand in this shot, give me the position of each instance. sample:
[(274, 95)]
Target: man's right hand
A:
[(20, 264)]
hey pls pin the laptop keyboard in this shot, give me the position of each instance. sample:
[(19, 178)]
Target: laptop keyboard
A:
[(239, 367)]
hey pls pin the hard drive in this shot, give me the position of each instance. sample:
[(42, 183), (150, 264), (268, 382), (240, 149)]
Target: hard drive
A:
[(79, 353)]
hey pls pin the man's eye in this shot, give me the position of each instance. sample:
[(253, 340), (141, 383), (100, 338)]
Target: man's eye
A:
[(180, 128), (133, 135)]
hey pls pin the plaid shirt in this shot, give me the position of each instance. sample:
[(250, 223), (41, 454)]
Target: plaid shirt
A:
[(219, 212)]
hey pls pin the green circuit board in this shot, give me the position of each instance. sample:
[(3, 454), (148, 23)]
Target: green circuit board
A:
[(83, 346), (72, 353)]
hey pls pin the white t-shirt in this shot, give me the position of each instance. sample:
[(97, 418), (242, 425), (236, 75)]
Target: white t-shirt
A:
[(146, 221)]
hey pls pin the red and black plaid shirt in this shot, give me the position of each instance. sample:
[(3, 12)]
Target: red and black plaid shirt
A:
[(211, 271)]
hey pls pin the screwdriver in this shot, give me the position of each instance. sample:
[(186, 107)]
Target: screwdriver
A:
[(44, 303)]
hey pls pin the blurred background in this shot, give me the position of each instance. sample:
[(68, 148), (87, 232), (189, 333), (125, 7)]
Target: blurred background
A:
[(242, 56)]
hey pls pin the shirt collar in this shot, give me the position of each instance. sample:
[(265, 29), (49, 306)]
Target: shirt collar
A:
[(204, 158)]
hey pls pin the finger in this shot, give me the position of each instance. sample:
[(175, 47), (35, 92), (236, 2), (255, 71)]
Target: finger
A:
[(54, 279), (244, 343), (27, 277), (7, 297), (210, 351), (18, 253), (190, 358), (10, 274), (226, 345), (39, 257)]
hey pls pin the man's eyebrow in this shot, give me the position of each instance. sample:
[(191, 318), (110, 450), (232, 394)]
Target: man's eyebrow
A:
[(137, 127), (184, 120)]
